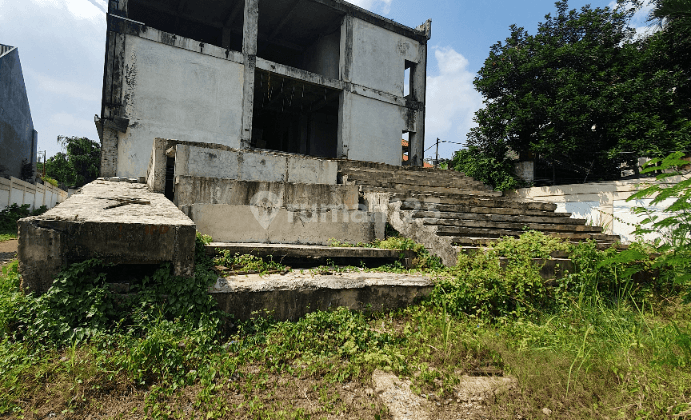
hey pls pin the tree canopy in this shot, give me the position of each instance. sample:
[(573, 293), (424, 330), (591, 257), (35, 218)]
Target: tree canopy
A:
[(584, 94), (78, 164)]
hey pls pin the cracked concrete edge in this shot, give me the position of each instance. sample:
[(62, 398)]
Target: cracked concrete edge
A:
[(415, 229)]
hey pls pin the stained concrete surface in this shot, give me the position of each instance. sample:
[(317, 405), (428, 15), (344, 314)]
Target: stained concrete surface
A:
[(293, 295), (118, 222)]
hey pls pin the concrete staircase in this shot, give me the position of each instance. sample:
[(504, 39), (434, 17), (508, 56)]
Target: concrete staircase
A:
[(379, 177), (448, 212)]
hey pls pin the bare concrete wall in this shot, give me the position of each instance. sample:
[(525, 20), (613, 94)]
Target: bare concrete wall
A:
[(324, 55), (374, 130), (18, 140), (379, 57), (253, 165), (602, 204), (175, 93)]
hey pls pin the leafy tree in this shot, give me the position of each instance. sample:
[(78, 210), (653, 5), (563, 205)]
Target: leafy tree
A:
[(583, 94), (486, 168), (78, 165)]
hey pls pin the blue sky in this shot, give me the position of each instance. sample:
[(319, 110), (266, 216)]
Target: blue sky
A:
[(61, 47)]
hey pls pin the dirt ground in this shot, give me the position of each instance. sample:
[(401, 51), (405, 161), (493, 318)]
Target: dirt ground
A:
[(8, 251)]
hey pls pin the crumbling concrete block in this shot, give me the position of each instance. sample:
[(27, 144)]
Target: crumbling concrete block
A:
[(118, 222), (293, 295)]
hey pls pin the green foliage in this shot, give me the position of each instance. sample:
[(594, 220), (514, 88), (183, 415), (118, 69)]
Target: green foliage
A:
[(78, 165), (50, 180), (583, 94), (485, 167), (674, 224), (10, 215), (248, 263)]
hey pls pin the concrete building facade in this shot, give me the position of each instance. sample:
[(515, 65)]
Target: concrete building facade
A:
[(18, 139), (321, 78)]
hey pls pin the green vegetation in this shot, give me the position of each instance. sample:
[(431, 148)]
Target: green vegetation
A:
[(10, 215), (78, 165), (583, 96), (484, 167), (611, 337)]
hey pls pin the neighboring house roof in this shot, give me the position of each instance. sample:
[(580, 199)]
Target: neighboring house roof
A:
[(404, 145)]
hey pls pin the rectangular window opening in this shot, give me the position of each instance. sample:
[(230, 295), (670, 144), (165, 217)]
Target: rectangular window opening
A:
[(293, 116)]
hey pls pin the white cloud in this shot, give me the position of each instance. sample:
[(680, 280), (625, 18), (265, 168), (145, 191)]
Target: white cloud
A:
[(383, 6), (639, 21), (451, 101), (62, 87), (69, 123)]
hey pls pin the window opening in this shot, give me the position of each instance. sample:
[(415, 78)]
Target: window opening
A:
[(294, 116)]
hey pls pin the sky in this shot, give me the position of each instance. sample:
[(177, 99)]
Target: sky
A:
[(62, 46)]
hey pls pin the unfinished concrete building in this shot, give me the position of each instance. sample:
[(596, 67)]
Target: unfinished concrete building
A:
[(321, 78)]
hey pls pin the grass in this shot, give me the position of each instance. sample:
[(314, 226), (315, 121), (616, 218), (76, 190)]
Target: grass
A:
[(4, 237), (582, 348)]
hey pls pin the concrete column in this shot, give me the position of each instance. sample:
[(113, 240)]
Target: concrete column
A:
[(109, 152), (345, 102), (345, 122), (249, 51), (418, 91)]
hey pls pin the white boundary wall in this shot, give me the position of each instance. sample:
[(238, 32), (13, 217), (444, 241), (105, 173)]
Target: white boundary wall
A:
[(602, 203), (16, 191)]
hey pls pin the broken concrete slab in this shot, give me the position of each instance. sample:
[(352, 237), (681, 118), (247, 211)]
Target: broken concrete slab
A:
[(396, 394), (118, 222), (314, 254), (295, 294)]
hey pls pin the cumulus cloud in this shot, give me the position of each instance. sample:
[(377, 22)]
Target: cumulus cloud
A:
[(381, 6), (451, 101), (61, 47)]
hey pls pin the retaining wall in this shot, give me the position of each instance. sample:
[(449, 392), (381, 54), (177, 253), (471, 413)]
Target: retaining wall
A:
[(16, 191)]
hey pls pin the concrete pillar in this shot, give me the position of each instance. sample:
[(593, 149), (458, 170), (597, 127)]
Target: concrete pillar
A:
[(418, 91), (249, 52), (109, 152), (345, 102)]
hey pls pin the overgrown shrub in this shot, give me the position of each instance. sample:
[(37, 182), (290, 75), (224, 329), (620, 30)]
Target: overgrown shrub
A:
[(11, 214), (486, 168)]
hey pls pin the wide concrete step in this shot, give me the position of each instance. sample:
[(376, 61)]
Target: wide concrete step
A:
[(469, 245), (407, 190), (478, 232), (414, 178), (546, 217), (542, 227), (478, 202), (291, 296), (314, 255), (350, 165)]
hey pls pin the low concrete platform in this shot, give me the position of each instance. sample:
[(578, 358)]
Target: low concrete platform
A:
[(297, 255), (296, 294), (118, 222)]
